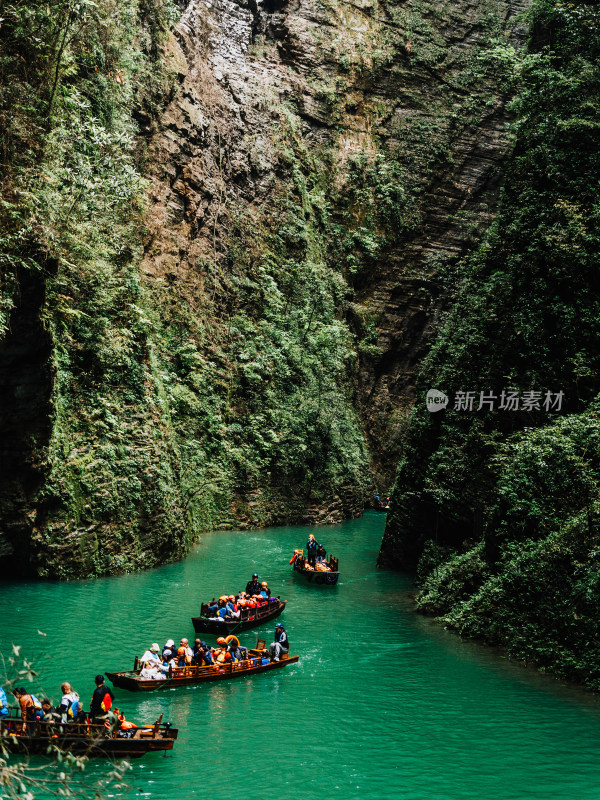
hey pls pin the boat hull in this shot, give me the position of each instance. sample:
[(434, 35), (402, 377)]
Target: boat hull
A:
[(191, 676), (95, 744), (318, 577), (251, 618)]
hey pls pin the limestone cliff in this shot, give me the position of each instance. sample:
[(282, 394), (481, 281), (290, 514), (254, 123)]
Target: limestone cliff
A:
[(310, 167), (408, 100)]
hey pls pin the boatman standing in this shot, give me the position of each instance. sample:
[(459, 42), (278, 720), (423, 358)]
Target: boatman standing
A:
[(311, 550), (281, 644), (102, 700), (253, 586)]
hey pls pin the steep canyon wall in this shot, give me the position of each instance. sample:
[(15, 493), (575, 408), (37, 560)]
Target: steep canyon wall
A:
[(232, 257), (402, 110), (496, 506)]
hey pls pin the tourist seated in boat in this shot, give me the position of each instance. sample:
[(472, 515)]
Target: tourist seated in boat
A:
[(222, 654), (102, 700), (50, 712), (321, 554), (184, 655), (246, 601), (152, 663), (261, 598), (233, 611), (265, 592), (212, 607), (127, 729), (221, 611), (173, 663), (202, 655), (253, 586), (169, 651), (179, 660), (3, 703), (31, 709), (70, 707), (298, 559), (172, 657), (151, 657), (238, 653), (280, 645)]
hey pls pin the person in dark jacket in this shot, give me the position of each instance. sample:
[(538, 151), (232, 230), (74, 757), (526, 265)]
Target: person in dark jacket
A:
[(237, 651), (311, 550), (50, 713), (102, 700), (202, 656), (253, 586), (281, 644)]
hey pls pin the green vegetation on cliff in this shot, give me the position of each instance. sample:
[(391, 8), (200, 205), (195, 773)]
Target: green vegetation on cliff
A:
[(502, 507), (196, 250), (72, 74), (166, 416)]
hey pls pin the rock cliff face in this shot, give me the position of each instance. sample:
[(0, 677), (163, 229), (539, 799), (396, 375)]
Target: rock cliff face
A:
[(411, 93), (312, 167), (496, 503)]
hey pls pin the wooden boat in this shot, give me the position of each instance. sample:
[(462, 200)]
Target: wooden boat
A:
[(249, 618), (188, 676), (82, 738), (380, 505), (326, 577)]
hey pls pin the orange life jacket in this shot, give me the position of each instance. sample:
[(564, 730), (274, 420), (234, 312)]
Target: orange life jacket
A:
[(125, 724)]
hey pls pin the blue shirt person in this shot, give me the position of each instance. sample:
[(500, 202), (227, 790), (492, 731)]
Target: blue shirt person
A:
[(3, 703)]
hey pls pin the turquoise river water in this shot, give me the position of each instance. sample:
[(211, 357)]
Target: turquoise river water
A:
[(383, 703)]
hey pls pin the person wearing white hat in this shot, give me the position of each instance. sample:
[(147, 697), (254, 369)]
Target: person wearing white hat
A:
[(169, 651), (151, 663), (151, 657)]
